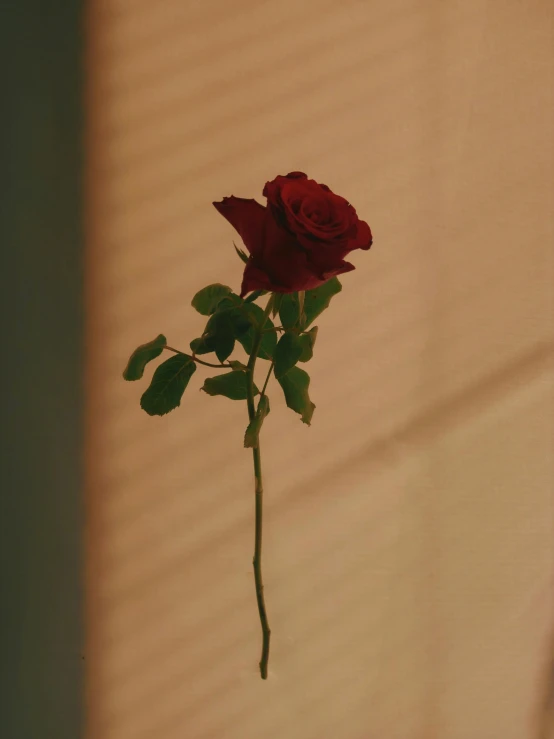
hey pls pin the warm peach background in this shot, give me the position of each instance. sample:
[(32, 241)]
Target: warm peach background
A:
[(409, 532)]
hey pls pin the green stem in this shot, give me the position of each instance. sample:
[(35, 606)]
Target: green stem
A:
[(195, 358), (209, 364), (257, 561), (267, 378)]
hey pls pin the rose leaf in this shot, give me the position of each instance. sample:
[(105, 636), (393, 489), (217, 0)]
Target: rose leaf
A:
[(207, 300), (287, 353), (168, 385), (232, 385), (307, 342), (141, 356), (295, 386), (317, 300)]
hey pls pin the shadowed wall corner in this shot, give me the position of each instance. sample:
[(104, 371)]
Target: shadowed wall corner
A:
[(41, 450)]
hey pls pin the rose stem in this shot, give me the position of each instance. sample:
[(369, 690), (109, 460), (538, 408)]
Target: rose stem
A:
[(257, 561)]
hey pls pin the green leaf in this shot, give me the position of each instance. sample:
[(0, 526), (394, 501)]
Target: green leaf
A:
[(267, 346), (201, 346), (231, 308), (168, 385), (255, 295), (228, 322), (141, 356), (289, 310), (229, 301), (277, 300), (221, 336), (255, 314), (224, 345), (231, 384), (301, 300), (307, 342), (217, 337), (295, 385), (269, 339), (269, 342), (237, 366), (241, 321), (318, 299), (287, 353), (243, 255), (252, 434), (206, 300)]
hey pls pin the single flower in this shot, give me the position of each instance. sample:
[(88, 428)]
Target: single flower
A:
[(300, 239)]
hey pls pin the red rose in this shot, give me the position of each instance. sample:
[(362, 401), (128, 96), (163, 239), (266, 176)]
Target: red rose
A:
[(300, 239)]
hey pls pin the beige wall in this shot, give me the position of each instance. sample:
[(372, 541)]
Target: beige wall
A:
[(409, 532)]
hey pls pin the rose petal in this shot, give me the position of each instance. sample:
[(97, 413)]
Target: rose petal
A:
[(334, 222), (283, 256), (327, 258), (255, 278), (272, 190), (247, 216), (363, 238), (339, 270)]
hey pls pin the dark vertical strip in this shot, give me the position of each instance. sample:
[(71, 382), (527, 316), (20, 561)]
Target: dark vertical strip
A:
[(41, 246)]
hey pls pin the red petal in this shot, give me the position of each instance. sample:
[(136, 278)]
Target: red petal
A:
[(247, 216), (289, 265), (273, 188), (296, 176), (255, 278), (284, 258), (339, 270), (363, 238)]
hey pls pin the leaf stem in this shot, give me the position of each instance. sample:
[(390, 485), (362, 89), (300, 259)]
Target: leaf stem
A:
[(209, 364), (195, 358), (257, 561)]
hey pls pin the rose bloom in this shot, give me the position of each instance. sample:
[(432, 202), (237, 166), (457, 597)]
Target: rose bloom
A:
[(299, 240)]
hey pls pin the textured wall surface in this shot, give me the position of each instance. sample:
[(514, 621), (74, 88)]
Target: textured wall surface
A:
[(409, 532)]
